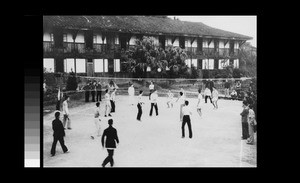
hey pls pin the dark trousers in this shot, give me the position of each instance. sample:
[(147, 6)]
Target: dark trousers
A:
[(109, 158), (245, 130), (58, 105), (87, 96), (93, 96), (62, 144), (186, 120), (156, 109), (140, 112), (112, 106), (150, 93), (98, 96), (206, 99)]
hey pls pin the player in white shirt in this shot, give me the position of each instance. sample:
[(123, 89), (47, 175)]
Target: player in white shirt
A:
[(199, 103), (97, 121), (112, 100), (215, 97), (107, 103), (131, 95), (170, 99), (153, 99), (186, 111), (151, 88), (66, 113), (181, 99)]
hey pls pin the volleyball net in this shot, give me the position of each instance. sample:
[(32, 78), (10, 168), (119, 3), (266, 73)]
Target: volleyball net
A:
[(162, 85)]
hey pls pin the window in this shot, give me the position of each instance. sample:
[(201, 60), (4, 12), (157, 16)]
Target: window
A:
[(176, 42), (67, 37), (69, 65), (223, 63), (98, 65), (236, 45), (80, 66), (188, 62), (168, 41), (205, 44), (49, 64), (132, 40), (212, 44), (48, 37), (221, 44), (195, 62), (116, 65), (236, 63), (117, 39), (208, 64), (97, 39), (105, 65)]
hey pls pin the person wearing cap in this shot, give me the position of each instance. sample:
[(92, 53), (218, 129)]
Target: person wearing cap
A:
[(108, 140), (58, 134)]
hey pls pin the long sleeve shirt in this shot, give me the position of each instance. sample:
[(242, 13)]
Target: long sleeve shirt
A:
[(65, 108)]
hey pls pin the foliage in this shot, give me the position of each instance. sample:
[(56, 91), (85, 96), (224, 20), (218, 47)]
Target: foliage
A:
[(71, 82)]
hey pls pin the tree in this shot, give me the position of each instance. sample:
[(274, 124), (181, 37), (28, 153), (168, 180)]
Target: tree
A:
[(71, 82), (148, 54)]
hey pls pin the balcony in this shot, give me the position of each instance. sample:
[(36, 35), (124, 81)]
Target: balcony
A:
[(223, 52), (48, 46), (191, 50), (71, 47), (209, 51), (235, 53), (100, 48)]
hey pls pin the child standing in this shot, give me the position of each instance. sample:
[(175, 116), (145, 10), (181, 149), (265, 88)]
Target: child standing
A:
[(58, 135), (97, 120)]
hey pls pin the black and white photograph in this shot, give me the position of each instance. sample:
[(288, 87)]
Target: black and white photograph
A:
[(149, 91)]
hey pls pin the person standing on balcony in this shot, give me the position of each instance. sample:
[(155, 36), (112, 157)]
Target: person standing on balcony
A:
[(151, 88), (98, 91)]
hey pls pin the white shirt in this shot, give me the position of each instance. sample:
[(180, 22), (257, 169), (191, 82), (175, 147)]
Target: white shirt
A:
[(131, 91), (97, 112), (181, 99), (199, 98), (113, 96), (65, 107), (186, 110), (106, 97), (151, 87), (170, 95), (140, 98), (215, 94), (207, 92), (153, 97)]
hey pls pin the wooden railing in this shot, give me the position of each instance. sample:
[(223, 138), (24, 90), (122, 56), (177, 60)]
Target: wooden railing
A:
[(48, 46), (224, 52), (71, 47), (100, 47), (209, 51)]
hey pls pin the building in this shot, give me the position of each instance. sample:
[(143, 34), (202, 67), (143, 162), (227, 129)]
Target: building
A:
[(91, 45)]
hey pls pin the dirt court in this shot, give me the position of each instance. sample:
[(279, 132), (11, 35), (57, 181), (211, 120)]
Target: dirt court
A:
[(156, 141)]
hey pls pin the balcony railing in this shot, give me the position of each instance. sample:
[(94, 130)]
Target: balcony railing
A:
[(100, 48), (191, 50), (71, 47), (235, 53), (209, 51), (224, 52), (48, 46)]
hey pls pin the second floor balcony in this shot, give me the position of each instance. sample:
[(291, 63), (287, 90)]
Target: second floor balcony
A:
[(209, 51), (224, 52), (74, 47), (48, 46)]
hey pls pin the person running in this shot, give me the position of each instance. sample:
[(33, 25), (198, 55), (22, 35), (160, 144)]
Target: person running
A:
[(186, 111), (215, 97), (251, 124), (108, 140), (58, 135), (181, 99), (151, 88), (139, 106), (112, 100), (97, 121), (207, 94), (153, 99), (107, 104), (170, 99), (244, 114), (131, 94), (199, 103), (66, 113)]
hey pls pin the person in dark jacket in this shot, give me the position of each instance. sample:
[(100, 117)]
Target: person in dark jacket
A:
[(244, 114), (58, 134), (110, 143), (99, 90), (87, 89)]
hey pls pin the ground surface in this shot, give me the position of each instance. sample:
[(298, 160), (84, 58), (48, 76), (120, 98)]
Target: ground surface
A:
[(156, 141)]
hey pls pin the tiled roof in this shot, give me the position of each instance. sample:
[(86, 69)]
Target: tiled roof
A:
[(140, 24)]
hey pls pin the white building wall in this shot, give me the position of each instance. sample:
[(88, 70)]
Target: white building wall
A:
[(80, 65), (98, 65)]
